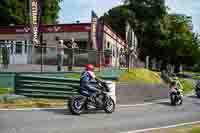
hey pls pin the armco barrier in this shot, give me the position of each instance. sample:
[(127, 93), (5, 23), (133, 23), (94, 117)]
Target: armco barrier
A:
[(45, 87)]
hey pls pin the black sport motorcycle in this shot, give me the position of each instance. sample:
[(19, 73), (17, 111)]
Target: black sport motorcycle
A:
[(103, 101), (197, 89), (176, 97)]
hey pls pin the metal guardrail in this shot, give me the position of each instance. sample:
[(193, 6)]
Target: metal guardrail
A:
[(45, 87)]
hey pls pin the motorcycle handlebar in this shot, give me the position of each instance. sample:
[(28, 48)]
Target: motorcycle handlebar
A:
[(98, 80)]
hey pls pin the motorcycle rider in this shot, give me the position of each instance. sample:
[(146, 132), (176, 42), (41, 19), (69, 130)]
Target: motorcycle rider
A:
[(87, 88), (175, 86)]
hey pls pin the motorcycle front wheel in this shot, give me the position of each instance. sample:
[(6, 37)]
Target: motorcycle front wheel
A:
[(181, 101), (77, 105), (198, 93), (173, 99), (109, 106)]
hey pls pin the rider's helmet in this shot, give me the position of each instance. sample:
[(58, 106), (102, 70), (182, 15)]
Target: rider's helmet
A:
[(89, 67), (173, 83)]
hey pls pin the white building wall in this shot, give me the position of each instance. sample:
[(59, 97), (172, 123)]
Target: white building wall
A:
[(50, 40), (19, 56), (115, 45), (16, 57)]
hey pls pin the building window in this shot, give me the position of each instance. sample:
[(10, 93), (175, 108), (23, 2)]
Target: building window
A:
[(104, 43), (114, 51), (108, 44), (18, 48), (26, 46), (117, 52), (44, 47), (11, 48), (2, 42)]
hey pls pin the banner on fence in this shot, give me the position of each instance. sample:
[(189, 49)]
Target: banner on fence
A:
[(34, 17)]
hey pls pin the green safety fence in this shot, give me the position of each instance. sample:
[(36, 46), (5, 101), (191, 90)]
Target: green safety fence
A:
[(45, 87), (7, 78)]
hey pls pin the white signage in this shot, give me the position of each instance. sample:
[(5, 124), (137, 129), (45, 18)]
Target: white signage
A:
[(93, 30), (24, 30), (54, 29), (87, 28), (35, 20)]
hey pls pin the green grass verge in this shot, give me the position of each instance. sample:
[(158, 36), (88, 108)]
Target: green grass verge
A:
[(5, 91), (73, 76), (195, 130), (196, 77), (77, 75), (190, 72), (182, 129), (187, 85), (141, 75), (32, 103)]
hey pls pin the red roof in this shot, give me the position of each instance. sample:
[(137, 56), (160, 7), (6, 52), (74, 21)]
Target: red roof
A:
[(83, 27)]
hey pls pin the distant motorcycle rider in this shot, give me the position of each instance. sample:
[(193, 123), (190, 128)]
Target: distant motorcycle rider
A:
[(87, 88), (176, 86)]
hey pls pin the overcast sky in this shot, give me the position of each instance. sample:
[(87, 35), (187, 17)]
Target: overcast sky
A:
[(81, 9)]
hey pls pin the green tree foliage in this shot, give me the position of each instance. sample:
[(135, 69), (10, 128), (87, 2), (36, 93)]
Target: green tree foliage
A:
[(165, 36), (17, 12), (117, 18), (50, 10), (182, 43), (144, 16)]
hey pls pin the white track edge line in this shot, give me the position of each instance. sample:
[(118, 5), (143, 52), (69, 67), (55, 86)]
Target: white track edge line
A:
[(135, 105), (37, 109), (164, 127), (118, 106), (30, 109)]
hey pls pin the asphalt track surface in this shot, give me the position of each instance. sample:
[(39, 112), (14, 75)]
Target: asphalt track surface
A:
[(124, 119)]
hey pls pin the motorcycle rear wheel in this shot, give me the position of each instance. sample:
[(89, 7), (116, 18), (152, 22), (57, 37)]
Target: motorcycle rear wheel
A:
[(77, 105), (109, 106), (173, 99), (198, 93), (181, 101)]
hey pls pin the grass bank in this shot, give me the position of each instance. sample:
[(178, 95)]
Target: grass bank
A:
[(141, 75)]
